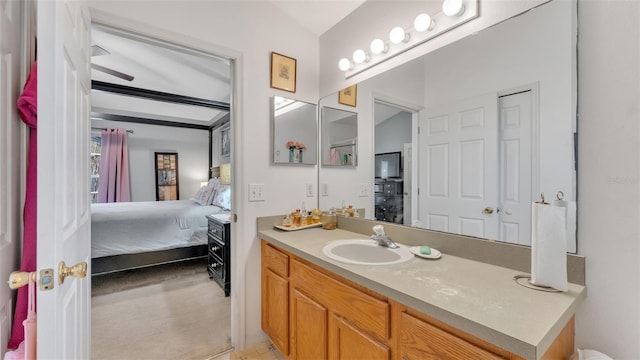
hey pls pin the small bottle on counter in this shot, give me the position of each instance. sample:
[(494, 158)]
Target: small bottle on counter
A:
[(296, 217), (287, 222), (329, 221)]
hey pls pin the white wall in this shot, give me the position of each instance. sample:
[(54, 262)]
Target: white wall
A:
[(248, 31), (393, 133), (608, 176), (193, 157)]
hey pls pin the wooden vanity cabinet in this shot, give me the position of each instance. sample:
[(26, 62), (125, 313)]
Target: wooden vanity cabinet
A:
[(311, 313), (331, 319), (275, 296)]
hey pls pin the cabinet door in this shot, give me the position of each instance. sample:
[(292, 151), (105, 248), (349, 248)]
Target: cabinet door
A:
[(308, 327), (275, 309), (349, 343), (419, 340)]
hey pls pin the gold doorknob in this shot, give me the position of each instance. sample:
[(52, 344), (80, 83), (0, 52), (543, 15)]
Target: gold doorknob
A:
[(78, 270), (488, 210)]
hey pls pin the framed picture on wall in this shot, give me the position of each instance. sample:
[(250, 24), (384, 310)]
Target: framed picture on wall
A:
[(347, 96), (225, 142), (166, 176), (283, 72)]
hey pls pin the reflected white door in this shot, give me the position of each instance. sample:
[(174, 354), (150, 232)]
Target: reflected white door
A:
[(407, 165), (515, 167), (64, 227), (10, 209), (458, 155)]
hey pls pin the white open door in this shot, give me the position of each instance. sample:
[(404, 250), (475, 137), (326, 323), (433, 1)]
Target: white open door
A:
[(64, 232), (516, 167), (458, 172)]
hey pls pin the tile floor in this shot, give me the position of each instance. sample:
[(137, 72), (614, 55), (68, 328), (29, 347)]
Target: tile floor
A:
[(262, 351)]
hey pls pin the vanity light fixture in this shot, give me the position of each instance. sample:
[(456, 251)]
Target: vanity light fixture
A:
[(425, 27), (345, 64), (423, 22), (359, 56), (378, 47), (452, 7), (397, 35)]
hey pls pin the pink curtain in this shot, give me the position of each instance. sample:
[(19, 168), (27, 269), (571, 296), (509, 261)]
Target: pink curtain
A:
[(113, 183), (28, 109)]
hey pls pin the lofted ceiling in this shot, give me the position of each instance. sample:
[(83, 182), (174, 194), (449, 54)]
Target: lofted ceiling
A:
[(161, 67)]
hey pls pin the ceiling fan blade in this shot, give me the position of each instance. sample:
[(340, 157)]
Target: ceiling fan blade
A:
[(97, 50), (112, 72)]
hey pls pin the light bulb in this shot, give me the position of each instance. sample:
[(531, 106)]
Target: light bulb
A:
[(397, 35), (423, 23), (344, 64), (359, 56), (378, 47), (452, 7)]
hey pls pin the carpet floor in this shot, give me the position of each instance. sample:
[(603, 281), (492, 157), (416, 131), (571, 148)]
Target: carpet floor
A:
[(165, 312)]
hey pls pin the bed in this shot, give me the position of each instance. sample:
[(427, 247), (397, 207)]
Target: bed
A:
[(137, 234)]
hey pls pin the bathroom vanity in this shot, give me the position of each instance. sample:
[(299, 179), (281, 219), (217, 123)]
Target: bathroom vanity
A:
[(454, 307)]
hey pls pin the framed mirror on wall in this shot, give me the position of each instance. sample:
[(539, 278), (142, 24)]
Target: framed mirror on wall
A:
[(514, 86), (295, 132), (166, 176)]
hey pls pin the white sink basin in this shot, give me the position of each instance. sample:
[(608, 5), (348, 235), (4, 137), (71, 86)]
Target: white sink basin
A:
[(365, 252)]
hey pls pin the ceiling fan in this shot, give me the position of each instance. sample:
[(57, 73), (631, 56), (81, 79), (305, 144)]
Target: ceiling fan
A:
[(97, 50)]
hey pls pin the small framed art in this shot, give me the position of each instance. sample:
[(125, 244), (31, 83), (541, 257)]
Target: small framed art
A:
[(347, 96), (283, 72), (225, 142)]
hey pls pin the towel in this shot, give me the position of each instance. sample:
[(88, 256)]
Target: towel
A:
[(549, 246)]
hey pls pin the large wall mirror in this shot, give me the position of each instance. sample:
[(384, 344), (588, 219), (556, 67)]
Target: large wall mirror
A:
[(295, 132), (471, 133)]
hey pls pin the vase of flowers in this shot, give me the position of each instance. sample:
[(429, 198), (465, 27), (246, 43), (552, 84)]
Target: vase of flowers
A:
[(295, 151)]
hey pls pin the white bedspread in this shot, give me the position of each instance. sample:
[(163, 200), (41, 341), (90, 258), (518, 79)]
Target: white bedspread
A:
[(135, 227)]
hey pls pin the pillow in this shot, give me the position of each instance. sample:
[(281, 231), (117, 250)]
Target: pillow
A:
[(214, 184), (223, 197), (197, 198)]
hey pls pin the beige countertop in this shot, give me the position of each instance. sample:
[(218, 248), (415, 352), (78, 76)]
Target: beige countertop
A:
[(476, 297)]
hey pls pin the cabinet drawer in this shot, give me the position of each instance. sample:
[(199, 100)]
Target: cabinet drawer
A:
[(216, 267), (216, 231), (275, 260), (361, 309), (216, 249), (419, 340)]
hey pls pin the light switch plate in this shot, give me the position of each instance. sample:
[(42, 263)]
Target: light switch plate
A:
[(310, 190), (324, 189), (256, 192), (364, 189)]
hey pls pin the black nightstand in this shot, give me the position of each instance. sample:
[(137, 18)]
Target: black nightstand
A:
[(219, 264)]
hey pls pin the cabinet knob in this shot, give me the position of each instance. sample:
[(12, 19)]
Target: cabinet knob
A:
[(405, 357), (215, 248), (215, 265)]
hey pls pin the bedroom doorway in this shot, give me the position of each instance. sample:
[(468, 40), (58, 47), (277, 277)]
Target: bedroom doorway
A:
[(151, 290)]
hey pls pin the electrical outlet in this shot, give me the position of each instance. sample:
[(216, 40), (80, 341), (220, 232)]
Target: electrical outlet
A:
[(364, 189), (310, 190), (256, 192), (324, 189)]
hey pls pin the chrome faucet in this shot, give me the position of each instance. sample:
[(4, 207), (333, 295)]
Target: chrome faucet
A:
[(382, 238)]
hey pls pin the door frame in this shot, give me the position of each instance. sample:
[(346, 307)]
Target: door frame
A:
[(238, 306), (415, 121)]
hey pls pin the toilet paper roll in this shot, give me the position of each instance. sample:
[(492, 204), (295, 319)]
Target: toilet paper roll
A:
[(549, 246)]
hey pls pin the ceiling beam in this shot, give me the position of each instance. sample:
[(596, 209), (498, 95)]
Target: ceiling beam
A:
[(158, 95)]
